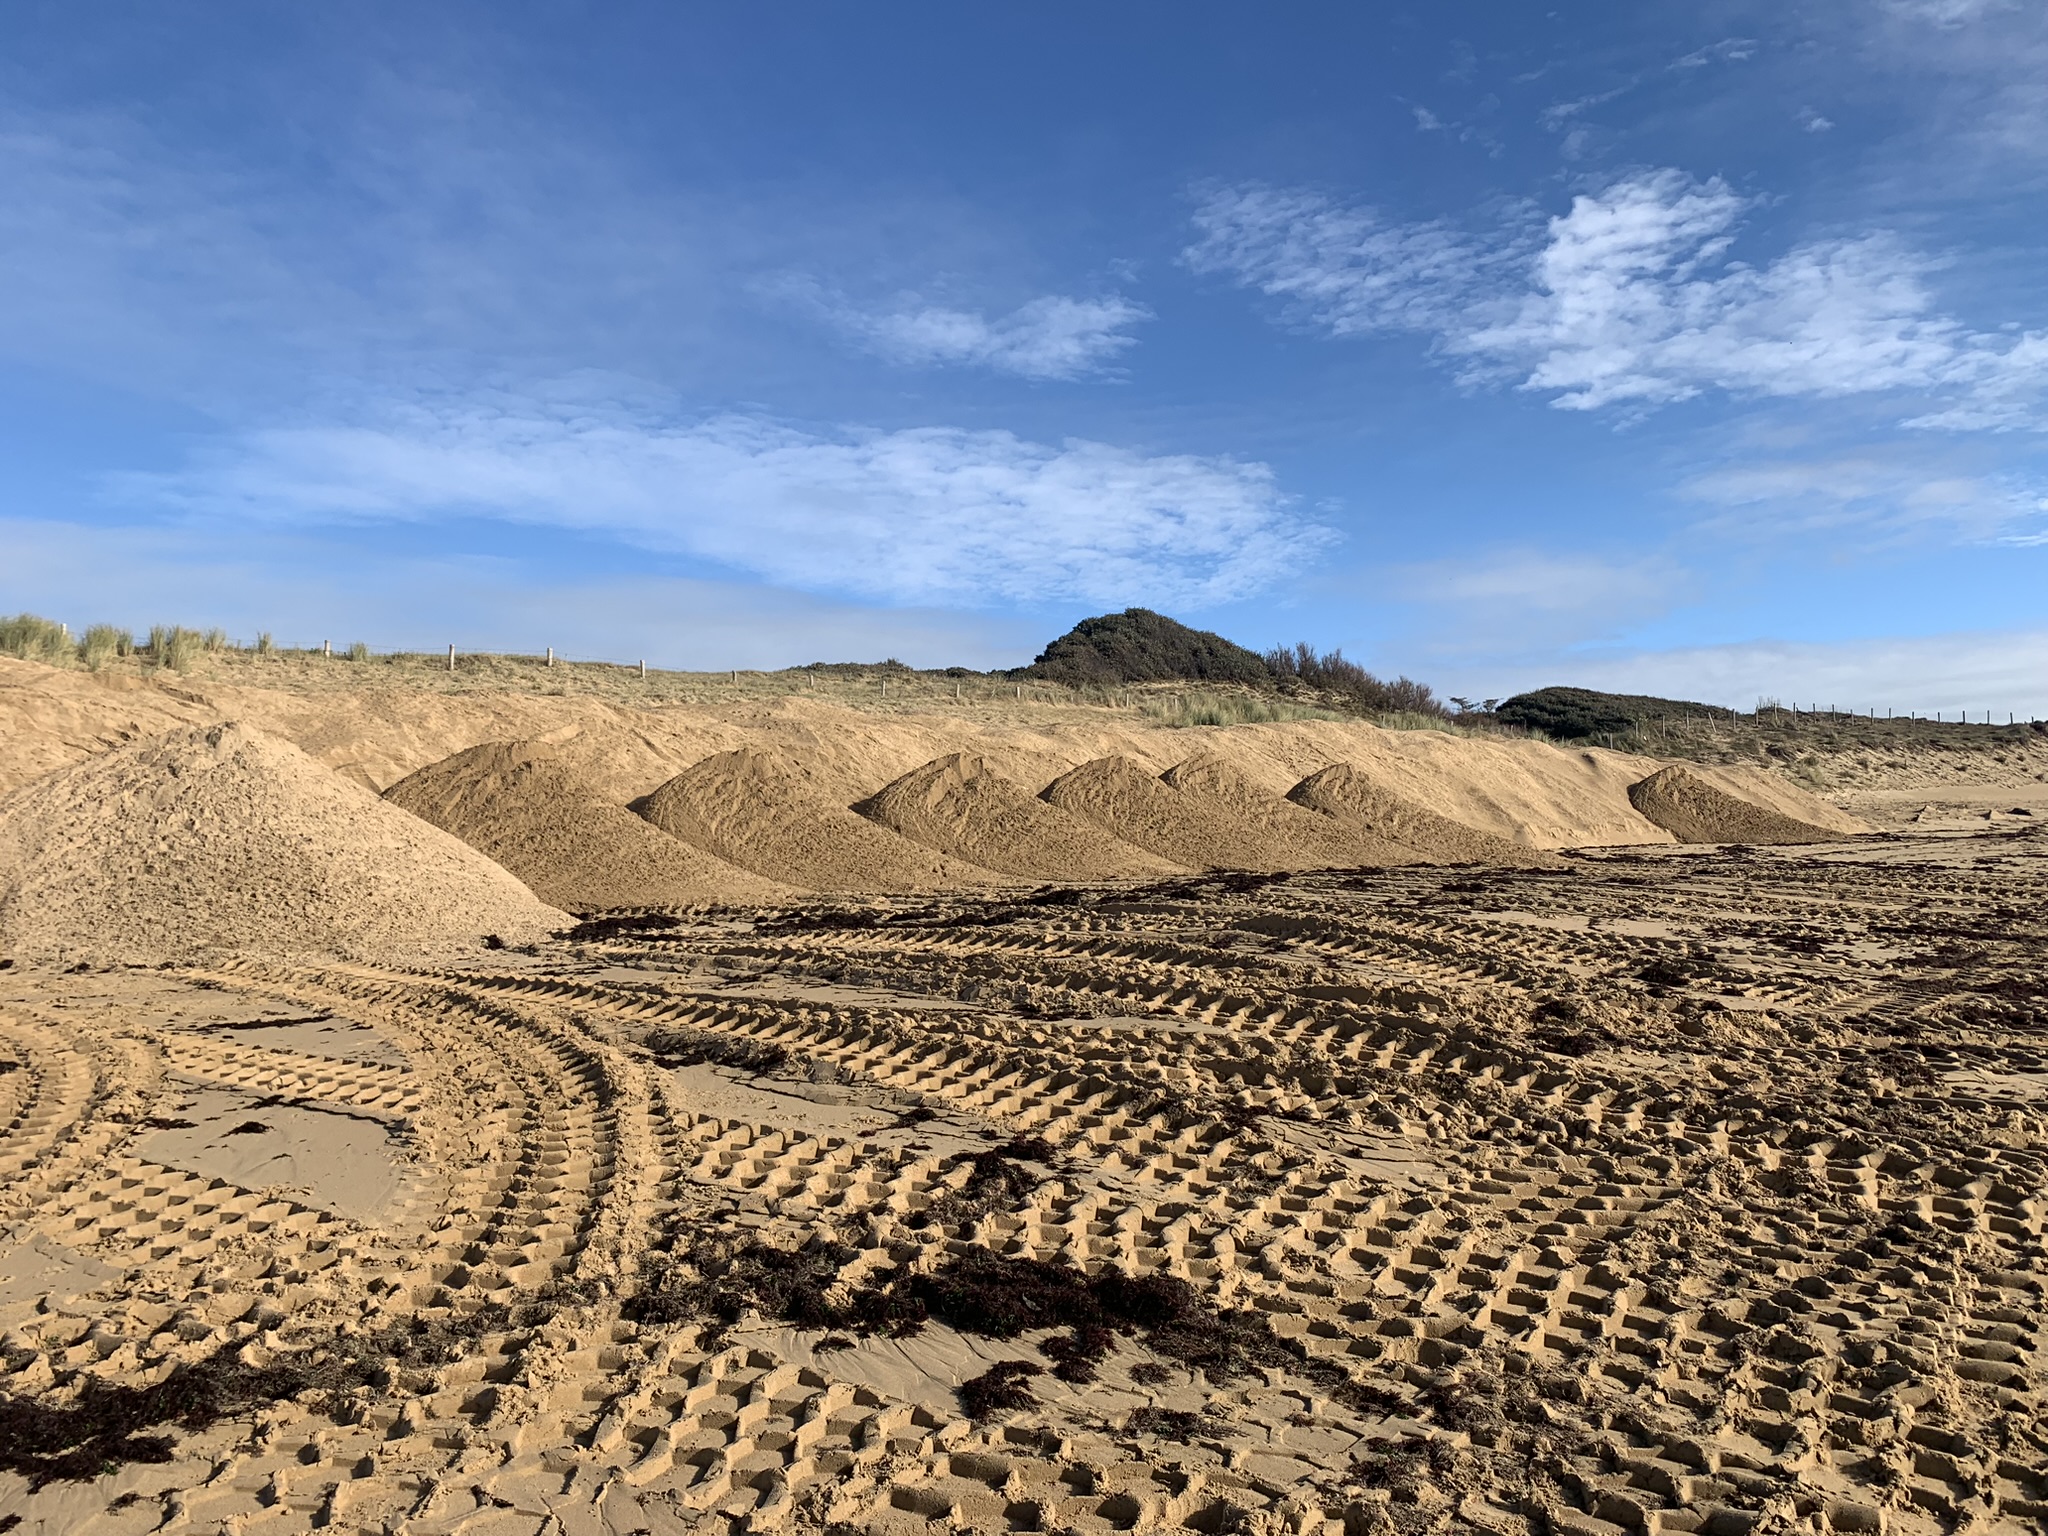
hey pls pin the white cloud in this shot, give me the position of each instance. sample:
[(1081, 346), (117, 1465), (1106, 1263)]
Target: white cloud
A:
[(1630, 299), (1342, 269), (920, 515), (1814, 122), (1872, 490), (1051, 337), (1947, 13), (1730, 50), (308, 586), (1518, 598)]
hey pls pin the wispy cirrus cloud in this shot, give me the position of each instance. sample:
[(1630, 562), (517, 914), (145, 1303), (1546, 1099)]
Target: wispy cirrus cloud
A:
[(1518, 597), (1889, 495), (931, 514), (1631, 298), (1052, 337)]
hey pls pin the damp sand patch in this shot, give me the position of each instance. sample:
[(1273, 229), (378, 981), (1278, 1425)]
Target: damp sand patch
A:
[(346, 1161)]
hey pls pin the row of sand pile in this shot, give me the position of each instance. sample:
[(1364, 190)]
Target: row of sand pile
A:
[(1296, 838), (753, 826), (520, 804), (763, 813), (1347, 796), (1203, 815), (221, 837), (1694, 811), (961, 806)]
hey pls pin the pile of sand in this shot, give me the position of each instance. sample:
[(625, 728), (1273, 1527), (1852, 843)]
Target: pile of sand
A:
[(1694, 811), (1118, 795), (221, 837), (957, 805), (759, 811), (1296, 838), (1346, 795), (520, 804)]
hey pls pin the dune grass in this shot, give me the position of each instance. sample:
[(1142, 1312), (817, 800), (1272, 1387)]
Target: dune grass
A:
[(35, 639)]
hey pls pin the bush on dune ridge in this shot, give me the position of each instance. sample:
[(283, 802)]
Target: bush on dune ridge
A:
[(1334, 674)]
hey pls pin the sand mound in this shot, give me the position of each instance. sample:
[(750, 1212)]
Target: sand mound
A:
[(220, 837), (1296, 838), (1341, 792), (1118, 795), (757, 810), (958, 806), (1694, 811), (520, 804)]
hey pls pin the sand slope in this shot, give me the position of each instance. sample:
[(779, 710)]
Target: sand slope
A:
[(220, 837), (520, 804), (1129, 803), (959, 805), (1694, 811), (378, 730), (761, 812), (1297, 837), (1349, 796)]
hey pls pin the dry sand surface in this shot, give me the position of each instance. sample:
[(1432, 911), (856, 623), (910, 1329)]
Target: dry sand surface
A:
[(1669, 1190), (1646, 1189), (1696, 812), (220, 837)]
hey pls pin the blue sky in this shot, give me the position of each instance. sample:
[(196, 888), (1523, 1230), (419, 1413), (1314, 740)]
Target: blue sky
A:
[(1694, 349)]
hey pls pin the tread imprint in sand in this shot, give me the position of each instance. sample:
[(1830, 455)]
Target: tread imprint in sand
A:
[(1659, 1193)]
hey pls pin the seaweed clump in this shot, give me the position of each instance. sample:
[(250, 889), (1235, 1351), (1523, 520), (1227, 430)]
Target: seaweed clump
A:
[(985, 1294), (999, 1388), (697, 1047)]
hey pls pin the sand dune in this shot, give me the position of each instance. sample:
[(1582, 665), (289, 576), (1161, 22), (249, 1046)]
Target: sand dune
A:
[(221, 837), (959, 805), (1346, 795), (761, 812), (1694, 811), (521, 805)]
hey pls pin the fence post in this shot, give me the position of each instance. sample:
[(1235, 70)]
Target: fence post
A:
[(643, 666), (326, 647), (451, 658), (551, 655)]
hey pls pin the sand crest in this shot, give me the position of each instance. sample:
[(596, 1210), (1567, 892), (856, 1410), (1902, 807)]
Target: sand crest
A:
[(520, 804), (1296, 837), (1342, 792), (1694, 811), (762, 812), (221, 837), (958, 805), (1118, 795)]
